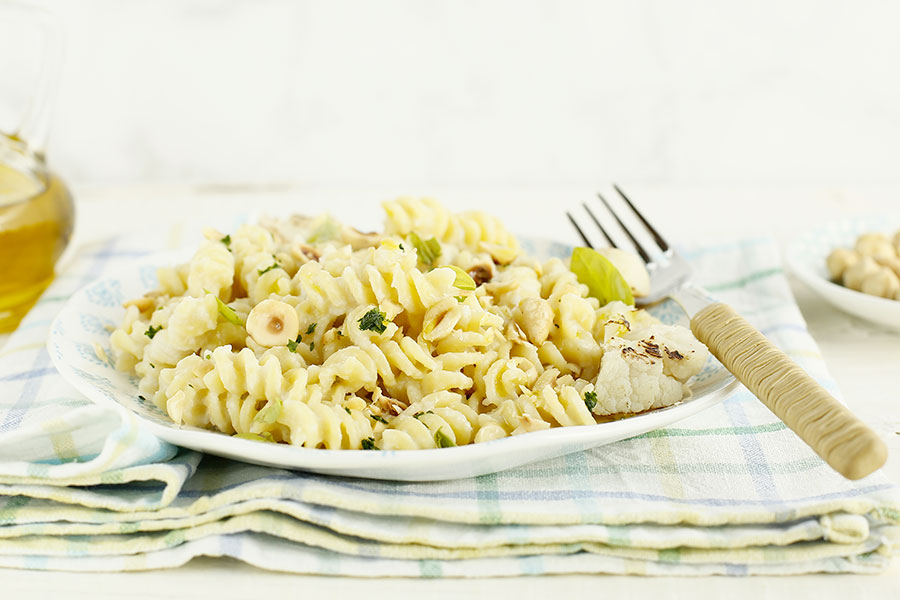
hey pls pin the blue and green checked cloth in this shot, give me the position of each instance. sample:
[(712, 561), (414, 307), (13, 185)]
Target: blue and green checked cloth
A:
[(728, 491)]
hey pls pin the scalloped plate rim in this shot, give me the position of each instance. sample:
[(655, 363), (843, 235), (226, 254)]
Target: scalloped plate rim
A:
[(416, 465)]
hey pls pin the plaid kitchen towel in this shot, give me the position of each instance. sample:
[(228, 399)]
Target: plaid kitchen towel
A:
[(727, 491)]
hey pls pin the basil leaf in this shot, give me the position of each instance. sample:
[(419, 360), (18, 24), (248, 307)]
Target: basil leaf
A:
[(427, 250), (270, 413), (463, 280), (442, 440), (265, 436), (603, 280)]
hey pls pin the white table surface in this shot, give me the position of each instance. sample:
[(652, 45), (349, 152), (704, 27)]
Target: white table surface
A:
[(864, 360)]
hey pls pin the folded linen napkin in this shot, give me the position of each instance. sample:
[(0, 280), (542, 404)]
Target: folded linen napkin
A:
[(728, 491)]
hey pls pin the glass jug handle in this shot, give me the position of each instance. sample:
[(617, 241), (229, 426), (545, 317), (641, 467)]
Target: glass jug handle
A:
[(34, 127)]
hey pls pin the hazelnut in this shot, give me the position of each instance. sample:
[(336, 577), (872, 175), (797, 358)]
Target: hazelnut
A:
[(273, 323), (840, 260), (853, 277), (875, 245), (883, 283), (536, 319)]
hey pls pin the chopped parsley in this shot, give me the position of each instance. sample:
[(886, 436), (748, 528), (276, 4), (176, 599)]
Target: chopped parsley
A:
[(379, 418), (347, 409), (310, 329), (374, 320), (292, 344), (151, 331), (274, 265), (442, 440), (590, 400), (368, 444), (419, 414), (227, 241), (460, 298), (312, 346), (142, 398), (428, 250), (208, 356), (152, 366), (401, 247)]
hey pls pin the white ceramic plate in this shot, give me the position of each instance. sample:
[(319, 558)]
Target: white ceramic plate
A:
[(806, 259), (83, 321)]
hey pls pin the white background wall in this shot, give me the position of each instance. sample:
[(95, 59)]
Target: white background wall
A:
[(469, 93)]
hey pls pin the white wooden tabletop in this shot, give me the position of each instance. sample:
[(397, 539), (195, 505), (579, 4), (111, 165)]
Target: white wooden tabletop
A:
[(862, 358)]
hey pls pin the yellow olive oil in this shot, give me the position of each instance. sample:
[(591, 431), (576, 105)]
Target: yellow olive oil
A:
[(36, 220)]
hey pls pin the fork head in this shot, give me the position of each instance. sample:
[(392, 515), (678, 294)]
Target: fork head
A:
[(668, 270)]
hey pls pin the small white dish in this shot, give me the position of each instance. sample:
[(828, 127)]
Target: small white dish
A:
[(805, 257), (82, 325)]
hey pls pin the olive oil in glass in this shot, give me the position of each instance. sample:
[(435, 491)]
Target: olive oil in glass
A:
[(36, 220)]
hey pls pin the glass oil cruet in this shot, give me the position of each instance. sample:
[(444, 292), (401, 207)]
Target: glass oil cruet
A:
[(36, 209)]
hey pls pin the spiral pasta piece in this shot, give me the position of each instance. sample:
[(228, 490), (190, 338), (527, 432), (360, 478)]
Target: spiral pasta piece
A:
[(311, 333)]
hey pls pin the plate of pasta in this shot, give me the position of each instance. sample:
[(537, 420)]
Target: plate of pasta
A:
[(441, 347)]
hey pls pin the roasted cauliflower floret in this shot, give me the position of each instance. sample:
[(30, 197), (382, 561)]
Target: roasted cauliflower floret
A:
[(646, 369)]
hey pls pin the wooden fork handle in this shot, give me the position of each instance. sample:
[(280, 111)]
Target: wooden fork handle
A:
[(835, 433)]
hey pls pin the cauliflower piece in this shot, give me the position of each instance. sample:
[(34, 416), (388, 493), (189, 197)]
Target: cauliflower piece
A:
[(647, 369), (682, 354)]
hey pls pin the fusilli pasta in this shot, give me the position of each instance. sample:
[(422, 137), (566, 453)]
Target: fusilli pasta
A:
[(439, 332)]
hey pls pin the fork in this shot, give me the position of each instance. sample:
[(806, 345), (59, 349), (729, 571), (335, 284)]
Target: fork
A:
[(828, 427)]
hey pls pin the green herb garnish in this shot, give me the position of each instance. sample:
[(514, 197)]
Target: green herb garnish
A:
[(228, 313), (265, 436), (274, 265), (368, 444), (442, 440), (347, 409), (428, 250), (590, 400), (152, 366), (401, 247), (420, 413), (312, 346), (151, 331), (374, 320), (603, 280), (460, 298), (379, 418), (227, 241), (310, 329), (463, 280), (292, 344), (328, 230), (270, 412)]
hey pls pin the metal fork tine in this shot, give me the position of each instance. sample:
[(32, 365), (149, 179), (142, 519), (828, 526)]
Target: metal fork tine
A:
[(656, 237), (637, 244), (587, 242), (599, 226)]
